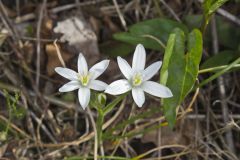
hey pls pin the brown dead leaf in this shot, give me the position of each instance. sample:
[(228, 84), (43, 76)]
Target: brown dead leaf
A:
[(79, 35), (184, 134), (47, 26), (53, 60), (95, 23), (168, 137), (28, 51), (68, 133), (110, 24), (3, 149)]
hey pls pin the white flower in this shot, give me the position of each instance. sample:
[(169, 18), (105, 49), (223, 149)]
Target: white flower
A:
[(84, 80), (137, 78)]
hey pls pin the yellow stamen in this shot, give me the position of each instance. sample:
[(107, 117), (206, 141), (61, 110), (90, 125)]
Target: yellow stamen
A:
[(84, 79), (137, 79)]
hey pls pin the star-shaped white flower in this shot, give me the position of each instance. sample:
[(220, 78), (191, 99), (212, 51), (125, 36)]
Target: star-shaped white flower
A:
[(137, 78), (84, 80)]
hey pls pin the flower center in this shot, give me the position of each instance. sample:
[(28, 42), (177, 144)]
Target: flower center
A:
[(137, 79), (84, 79)]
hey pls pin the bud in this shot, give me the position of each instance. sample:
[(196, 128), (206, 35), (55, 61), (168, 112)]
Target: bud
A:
[(102, 99)]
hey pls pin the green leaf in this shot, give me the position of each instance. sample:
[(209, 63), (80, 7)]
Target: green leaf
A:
[(206, 5), (143, 31), (111, 105), (166, 59), (216, 5), (228, 33), (219, 73), (182, 71), (222, 58), (225, 31), (193, 21), (211, 6), (120, 126), (115, 48)]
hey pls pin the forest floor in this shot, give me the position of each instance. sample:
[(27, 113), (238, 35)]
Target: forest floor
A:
[(39, 122)]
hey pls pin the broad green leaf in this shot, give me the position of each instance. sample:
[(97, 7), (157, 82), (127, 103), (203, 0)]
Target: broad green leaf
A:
[(225, 31), (182, 70), (115, 48), (228, 34), (193, 21), (222, 58), (157, 28), (166, 59)]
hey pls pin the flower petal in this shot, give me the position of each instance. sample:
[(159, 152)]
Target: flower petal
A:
[(98, 69), (138, 96), (118, 87), (124, 67), (97, 85), (151, 70), (67, 73), (139, 58), (84, 97), (82, 65), (70, 86), (156, 89)]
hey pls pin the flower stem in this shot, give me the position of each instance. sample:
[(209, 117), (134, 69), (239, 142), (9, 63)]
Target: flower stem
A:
[(99, 124)]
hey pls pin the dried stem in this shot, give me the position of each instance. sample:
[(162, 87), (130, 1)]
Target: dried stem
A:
[(222, 90)]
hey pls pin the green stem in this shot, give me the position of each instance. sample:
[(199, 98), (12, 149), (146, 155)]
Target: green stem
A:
[(158, 8), (9, 110), (204, 24), (100, 119), (100, 157), (109, 134), (216, 75), (213, 69)]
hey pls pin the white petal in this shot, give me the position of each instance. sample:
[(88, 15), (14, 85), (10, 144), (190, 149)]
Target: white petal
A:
[(67, 73), (84, 97), (151, 70), (124, 67), (98, 69), (82, 65), (118, 87), (138, 96), (97, 85), (139, 58), (156, 89), (70, 86)]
